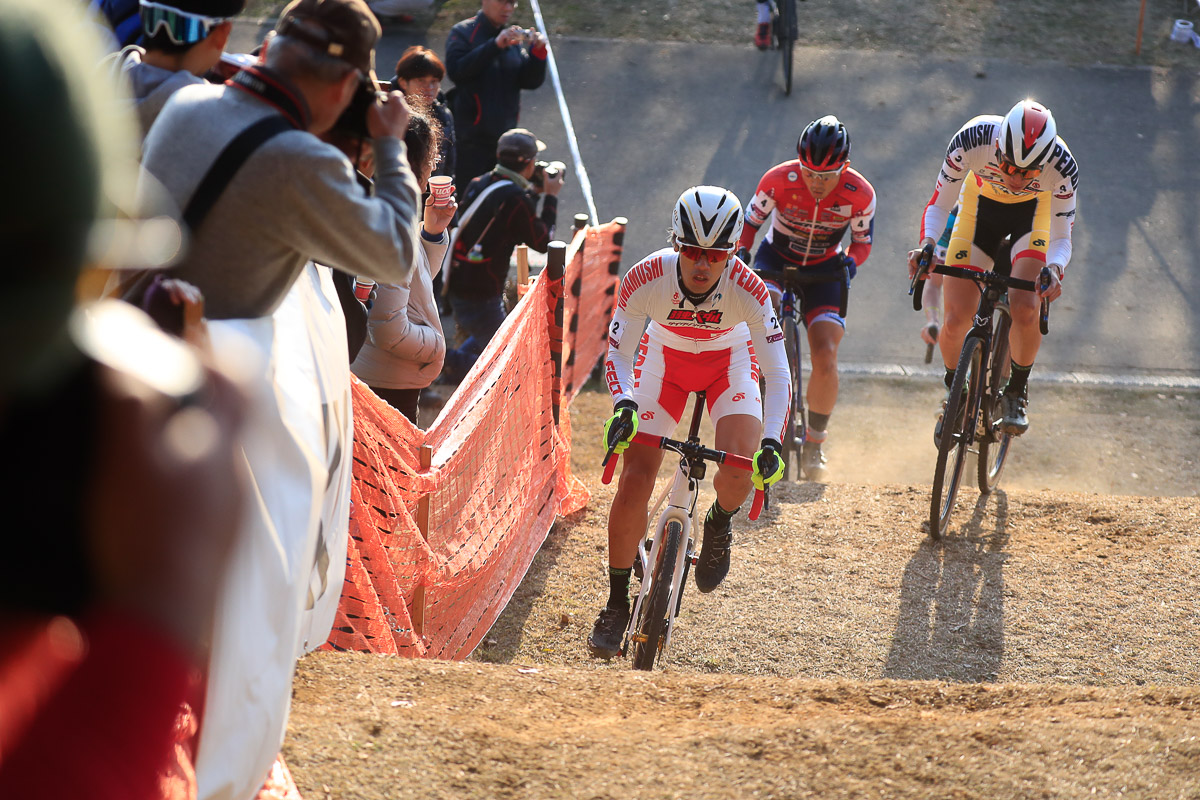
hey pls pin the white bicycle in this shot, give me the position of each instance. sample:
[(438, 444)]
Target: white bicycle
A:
[(663, 564)]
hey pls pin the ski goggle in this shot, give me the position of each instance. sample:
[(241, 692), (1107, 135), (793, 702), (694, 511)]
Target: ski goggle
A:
[(181, 26), (1006, 165), (709, 254)]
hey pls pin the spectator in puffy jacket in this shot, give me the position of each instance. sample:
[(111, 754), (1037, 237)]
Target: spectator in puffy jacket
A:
[(405, 348), (490, 63)]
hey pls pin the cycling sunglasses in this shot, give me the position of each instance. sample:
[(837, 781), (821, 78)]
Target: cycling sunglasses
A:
[(181, 26), (822, 175), (1005, 165), (710, 254)]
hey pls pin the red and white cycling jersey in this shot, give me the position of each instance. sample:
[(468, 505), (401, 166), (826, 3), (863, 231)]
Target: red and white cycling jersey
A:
[(804, 229), (736, 314), (973, 150)]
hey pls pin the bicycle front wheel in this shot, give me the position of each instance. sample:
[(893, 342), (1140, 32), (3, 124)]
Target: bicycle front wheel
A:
[(958, 425), (994, 443), (787, 40), (651, 626), (793, 433)]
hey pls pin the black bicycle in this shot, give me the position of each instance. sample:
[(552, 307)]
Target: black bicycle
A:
[(795, 434), (784, 32), (972, 413)]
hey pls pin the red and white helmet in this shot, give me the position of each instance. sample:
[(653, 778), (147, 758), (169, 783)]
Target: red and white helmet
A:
[(1026, 136)]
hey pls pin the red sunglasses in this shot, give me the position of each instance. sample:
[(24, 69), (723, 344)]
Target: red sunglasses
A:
[(710, 254), (1006, 166)]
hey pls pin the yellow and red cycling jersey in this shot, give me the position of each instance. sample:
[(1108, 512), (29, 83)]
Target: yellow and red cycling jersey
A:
[(971, 168)]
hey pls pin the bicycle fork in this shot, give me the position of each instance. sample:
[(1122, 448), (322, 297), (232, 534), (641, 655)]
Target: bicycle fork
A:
[(680, 505)]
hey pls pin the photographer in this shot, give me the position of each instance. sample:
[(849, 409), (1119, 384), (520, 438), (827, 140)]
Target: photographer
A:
[(500, 213), (294, 198), (490, 61)]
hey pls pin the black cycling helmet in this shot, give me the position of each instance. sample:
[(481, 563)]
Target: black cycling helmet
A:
[(824, 145)]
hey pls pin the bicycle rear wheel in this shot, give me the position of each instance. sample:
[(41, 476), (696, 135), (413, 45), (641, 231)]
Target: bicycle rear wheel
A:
[(958, 426), (993, 446), (651, 626), (793, 433), (787, 40)]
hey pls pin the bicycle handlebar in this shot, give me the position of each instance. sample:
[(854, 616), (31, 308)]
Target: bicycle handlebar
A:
[(690, 450), (987, 278)]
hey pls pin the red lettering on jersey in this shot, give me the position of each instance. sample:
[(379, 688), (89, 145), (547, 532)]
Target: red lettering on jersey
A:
[(610, 376), (647, 415), (638, 277), (680, 315), (712, 317)]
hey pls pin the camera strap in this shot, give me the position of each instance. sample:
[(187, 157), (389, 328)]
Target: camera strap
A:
[(269, 88)]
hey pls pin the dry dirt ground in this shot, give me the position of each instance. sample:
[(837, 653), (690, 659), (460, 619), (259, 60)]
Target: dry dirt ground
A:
[(1049, 648)]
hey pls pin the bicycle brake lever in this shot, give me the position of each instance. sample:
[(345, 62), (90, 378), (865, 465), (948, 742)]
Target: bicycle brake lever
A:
[(923, 263), (760, 502), (1044, 317)]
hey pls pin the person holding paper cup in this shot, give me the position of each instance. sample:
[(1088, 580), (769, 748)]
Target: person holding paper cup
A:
[(405, 350)]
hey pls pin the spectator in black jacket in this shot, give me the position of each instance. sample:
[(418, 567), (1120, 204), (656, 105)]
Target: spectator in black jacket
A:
[(500, 213), (490, 63), (419, 74)]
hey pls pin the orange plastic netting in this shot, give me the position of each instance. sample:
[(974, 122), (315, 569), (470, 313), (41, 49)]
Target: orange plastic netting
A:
[(498, 473)]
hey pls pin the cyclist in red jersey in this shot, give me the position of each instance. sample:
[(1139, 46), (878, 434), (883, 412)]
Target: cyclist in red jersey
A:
[(812, 201), (710, 327)]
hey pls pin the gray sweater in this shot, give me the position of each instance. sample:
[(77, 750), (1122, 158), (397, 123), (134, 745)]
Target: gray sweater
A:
[(151, 86), (294, 200)]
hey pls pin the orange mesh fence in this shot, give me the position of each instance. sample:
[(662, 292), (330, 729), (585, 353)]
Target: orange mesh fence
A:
[(497, 474), (590, 286)]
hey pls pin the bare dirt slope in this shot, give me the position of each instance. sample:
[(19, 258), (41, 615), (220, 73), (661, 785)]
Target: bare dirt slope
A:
[(1049, 648)]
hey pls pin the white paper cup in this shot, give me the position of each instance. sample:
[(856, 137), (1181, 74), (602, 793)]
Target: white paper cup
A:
[(442, 189)]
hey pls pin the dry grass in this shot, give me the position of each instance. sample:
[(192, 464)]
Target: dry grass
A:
[(1048, 30)]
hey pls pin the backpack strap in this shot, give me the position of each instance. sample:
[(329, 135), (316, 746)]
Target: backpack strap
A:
[(227, 164)]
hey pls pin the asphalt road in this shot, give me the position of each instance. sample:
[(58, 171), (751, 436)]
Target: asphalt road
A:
[(654, 118)]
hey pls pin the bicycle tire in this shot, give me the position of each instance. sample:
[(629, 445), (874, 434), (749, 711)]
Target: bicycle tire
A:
[(956, 439), (787, 40), (793, 433), (651, 626), (993, 448)]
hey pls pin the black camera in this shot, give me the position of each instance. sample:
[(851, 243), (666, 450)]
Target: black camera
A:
[(543, 169), (353, 120)]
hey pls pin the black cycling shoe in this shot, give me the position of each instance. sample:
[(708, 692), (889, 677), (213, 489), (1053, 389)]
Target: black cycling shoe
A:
[(1013, 408), (713, 565), (609, 630)]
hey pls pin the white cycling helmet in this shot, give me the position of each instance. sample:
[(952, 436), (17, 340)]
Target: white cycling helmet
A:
[(707, 216), (1026, 136)]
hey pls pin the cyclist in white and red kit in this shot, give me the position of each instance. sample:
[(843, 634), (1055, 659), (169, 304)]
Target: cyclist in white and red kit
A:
[(1012, 176), (711, 327), (811, 202)]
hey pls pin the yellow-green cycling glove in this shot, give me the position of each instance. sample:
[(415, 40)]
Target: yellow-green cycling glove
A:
[(621, 427), (768, 466)]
